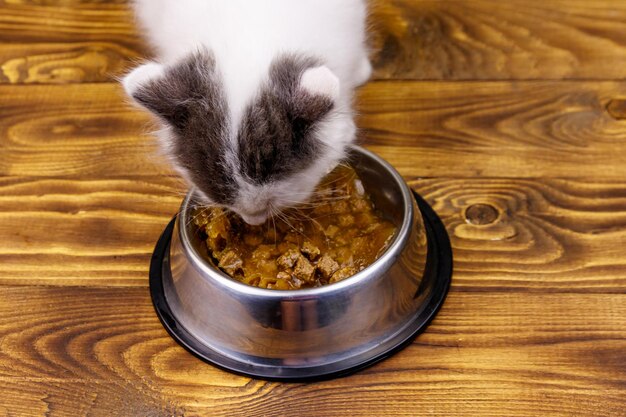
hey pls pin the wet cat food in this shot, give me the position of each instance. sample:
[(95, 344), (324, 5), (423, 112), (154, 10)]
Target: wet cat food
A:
[(334, 236)]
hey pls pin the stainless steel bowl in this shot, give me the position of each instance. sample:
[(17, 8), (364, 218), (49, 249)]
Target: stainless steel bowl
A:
[(308, 333)]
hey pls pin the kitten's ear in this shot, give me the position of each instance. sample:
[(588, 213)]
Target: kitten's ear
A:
[(320, 81), (318, 92), (151, 87), (140, 78), (178, 92)]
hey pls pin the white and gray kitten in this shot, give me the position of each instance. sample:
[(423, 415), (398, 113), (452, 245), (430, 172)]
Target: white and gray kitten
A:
[(255, 96)]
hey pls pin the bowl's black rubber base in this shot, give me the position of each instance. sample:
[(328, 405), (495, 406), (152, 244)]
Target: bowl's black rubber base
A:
[(438, 271)]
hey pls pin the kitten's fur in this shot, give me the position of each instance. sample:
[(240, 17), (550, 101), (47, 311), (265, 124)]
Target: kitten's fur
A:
[(255, 96)]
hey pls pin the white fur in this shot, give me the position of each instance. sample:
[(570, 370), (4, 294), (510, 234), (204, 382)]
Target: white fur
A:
[(141, 75), (321, 80), (245, 36)]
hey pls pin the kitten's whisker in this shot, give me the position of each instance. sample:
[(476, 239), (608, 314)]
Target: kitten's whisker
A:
[(199, 209), (309, 218), (273, 213), (282, 217), (314, 204)]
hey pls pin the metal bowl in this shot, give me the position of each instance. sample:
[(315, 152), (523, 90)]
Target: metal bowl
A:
[(310, 333)]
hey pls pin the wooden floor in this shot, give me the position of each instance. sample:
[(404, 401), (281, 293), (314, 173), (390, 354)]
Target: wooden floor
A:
[(509, 117)]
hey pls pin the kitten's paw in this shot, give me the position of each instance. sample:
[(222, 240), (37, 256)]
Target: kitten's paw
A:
[(141, 75), (322, 81)]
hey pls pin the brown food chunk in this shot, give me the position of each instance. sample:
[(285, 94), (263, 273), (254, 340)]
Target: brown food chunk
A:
[(216, 243), (295, 282), (344, 255), (359, 205), (346, 220), (264, 252), (279, 284), (283, 275), (322, 210), (340, 207), (267, 268), (216, 226), (359, 244), (310, 250), (230, 262), (327, 266), (331, 231), (288, 259), (253, 279), (342, 274), (304, 270), (369, 229)]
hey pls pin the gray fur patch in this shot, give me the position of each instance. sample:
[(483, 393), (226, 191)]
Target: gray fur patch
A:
[(190, 99), (276, 136)]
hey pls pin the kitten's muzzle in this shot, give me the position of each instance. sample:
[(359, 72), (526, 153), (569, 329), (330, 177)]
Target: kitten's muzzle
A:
[(255, 219)]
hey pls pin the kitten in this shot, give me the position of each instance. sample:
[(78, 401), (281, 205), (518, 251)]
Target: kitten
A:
[(255, 96)]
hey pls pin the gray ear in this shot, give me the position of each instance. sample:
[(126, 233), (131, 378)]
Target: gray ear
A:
[(142, 76), (307, 88), (315, 95), (174, 93)]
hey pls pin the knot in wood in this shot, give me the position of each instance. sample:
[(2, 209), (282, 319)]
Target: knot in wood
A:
[(617, 109), (481, 214)]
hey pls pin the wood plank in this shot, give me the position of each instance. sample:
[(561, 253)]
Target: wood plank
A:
[(484, 353), (47, 42), (33, 21), (508, 235), (496, 129), (78, 129), (489, 40), (51, 42), (502, 129), (88, 232), (61, 63), (533, 235), (49, 397)]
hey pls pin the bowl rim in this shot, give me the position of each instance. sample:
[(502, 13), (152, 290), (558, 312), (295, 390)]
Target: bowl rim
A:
[(209, 271)]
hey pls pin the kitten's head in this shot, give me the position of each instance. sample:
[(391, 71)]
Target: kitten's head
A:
[(290, 134)]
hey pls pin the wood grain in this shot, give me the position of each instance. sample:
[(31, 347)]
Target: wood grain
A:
[(61, 63), (72, 41), (489, 40), (528, 129), (80, 129), (33, 21), (543, 235), (496, 129), (45, 41), (520, 355), (86, 232)]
